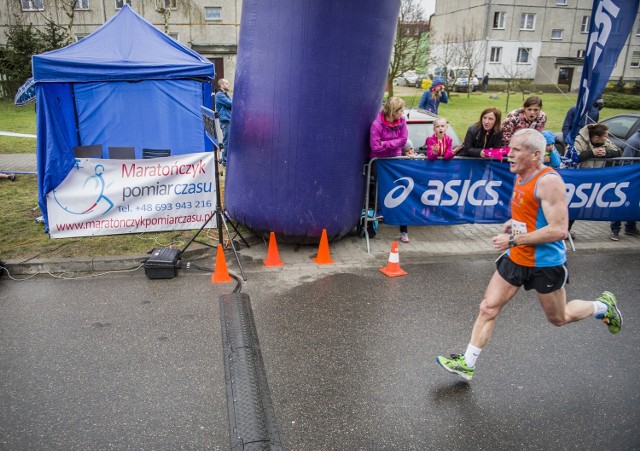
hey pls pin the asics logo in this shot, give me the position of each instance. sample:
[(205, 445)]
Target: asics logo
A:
[(453, 192), (608, 195)]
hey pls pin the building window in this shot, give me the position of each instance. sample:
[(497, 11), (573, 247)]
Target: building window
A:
[(174, 36), (120, 3), (496, 54), (523, 55), (635, 59), (561, 2), (498, 20), (556, 33), (80, 36), (166, 4), (580, 53), (584, 28), (213, 13), (81, 4), (33, 5), (527, 21)]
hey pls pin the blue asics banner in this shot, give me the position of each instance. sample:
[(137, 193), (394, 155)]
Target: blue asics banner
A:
[(610, 24), (420, 192)]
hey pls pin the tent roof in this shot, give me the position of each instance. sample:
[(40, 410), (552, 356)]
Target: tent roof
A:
[(126, 47)]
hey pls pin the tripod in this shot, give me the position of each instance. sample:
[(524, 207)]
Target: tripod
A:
[(210, 118)]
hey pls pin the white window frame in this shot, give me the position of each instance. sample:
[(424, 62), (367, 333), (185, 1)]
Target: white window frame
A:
[(174, 35), (120, 3), (32, 5), (81, 5), (167, 4), (80, 36), (561, 2), (581, 53), (559, 33), (208, 9), (524, 22), (521, 51), (496, 55), (584, 26), (500, 16), (635, 59)]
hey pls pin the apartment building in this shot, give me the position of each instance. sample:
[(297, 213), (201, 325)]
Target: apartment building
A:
[(210, 27), (540, 40)]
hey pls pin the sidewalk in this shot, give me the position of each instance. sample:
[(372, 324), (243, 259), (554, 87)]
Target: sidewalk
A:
[(428, 244), (19, 163)]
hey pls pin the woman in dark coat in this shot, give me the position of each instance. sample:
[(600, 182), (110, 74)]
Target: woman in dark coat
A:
[(484, 134)]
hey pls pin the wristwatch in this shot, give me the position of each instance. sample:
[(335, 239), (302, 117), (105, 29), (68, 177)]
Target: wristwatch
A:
[(512, 241)]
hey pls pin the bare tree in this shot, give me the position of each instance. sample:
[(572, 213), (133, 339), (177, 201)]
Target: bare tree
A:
[(512, 75), (410, 48), (471, 50), (447, 52)]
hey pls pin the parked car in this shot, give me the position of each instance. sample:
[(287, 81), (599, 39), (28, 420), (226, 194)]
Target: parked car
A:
[(406, 79), (621, 127), (420, 125)]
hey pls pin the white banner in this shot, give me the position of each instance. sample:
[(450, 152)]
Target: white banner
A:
[(108, 197)]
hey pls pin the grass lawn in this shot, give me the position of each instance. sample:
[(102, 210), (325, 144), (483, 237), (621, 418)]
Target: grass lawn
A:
[(22, 238)]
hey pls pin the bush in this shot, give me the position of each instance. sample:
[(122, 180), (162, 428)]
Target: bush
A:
[(625, 101)]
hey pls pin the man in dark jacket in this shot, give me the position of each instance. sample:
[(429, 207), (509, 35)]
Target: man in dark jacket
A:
[(593, 116), (223, 107)]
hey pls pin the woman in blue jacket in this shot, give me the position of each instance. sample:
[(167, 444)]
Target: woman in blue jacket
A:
[(432, 97)]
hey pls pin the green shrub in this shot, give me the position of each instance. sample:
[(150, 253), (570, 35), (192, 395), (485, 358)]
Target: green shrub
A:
[(625, 101)]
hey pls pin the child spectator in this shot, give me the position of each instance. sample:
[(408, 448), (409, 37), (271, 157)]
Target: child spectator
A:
[(551, 155), (440, 144), (408, 150)]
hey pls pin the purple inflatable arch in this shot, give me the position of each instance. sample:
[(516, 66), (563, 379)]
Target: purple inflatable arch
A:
[(309, 81)]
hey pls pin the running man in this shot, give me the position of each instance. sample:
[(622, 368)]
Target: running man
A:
[(535, 255)]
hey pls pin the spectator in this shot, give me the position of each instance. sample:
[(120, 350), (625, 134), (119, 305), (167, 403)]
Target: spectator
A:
[(431, 98), (485, 82), (440, 144), (529, 116), (631, 149), (551, 155), (408, 150), (592, 117), (593, 146), (9, 176), (388, 136), (484, 134), (223, 106)]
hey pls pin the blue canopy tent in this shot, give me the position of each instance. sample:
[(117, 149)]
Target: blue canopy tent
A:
[(126, 84)]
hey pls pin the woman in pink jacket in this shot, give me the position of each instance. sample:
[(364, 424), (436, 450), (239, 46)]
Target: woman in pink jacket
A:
[(387, 137), (389, 132)]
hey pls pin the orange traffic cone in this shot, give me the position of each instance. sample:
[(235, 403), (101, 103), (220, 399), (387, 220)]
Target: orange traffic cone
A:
[(323, 257), (220, 272), (273, 257), (393, 267)]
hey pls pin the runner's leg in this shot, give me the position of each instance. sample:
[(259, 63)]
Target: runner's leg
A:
[(498, 293), (559, 312)]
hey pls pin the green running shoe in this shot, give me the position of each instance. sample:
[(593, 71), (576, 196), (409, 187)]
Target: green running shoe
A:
[(613, 318), (456, 365)]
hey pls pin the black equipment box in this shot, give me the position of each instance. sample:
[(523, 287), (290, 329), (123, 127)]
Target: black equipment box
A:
[(163, 263)]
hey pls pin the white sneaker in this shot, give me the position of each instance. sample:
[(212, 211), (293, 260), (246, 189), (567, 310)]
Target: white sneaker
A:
[(404, 237)]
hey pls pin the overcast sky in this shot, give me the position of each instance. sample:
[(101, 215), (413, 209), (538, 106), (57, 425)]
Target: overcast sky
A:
[(429, 7)]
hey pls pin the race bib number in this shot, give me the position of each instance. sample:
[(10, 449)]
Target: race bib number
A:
[(518, 227)]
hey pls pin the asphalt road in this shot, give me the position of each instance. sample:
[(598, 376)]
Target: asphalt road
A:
[(124, 362)]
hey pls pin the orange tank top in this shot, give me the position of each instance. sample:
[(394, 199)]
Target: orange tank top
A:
[(526, 216)]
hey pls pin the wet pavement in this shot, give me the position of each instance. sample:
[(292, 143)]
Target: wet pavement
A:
[(121, 361)]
